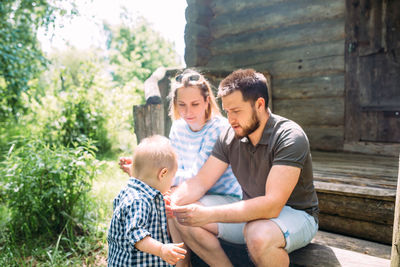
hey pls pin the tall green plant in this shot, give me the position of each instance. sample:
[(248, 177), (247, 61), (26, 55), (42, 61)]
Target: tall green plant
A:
[(136, 52), (46, 186), (21, 58)]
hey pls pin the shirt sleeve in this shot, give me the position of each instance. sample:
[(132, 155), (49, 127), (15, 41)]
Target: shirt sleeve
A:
[(181, 175), (291, 148), (220, 149), (137, 215)]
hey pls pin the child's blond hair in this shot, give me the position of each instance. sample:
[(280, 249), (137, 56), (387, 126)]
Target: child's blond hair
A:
[(153, 154)]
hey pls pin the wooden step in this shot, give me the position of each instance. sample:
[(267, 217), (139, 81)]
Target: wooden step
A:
[(328, 249), (356, 194), (325, 250)]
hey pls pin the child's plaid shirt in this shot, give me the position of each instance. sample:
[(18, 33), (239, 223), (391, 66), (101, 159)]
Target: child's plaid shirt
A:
[(139, 211)]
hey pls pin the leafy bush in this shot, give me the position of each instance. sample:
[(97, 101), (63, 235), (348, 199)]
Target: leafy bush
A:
[(46, 187), (81, 121)]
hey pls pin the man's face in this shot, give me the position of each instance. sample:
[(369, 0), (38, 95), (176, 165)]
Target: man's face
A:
[(241, 115)]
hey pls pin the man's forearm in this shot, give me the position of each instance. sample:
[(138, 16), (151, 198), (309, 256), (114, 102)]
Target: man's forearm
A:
[(188, 192), (244, 211)]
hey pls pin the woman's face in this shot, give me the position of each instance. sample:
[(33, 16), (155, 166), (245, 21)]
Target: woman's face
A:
[(192, 106)]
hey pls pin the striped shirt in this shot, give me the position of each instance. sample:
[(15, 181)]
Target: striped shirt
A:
[(139, 211), (194, 148)]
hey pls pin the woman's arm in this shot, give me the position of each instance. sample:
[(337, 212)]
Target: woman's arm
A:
[(193, 189)]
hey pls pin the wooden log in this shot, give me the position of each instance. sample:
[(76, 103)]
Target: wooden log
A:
[(309, 87), (323, 66), (286, 54), (196, 34), (295, 35), (148, 120), (151, 90), (395, 259), (361, 229), (325, 137), (312, 112), (373, 210), (231, 6), (198, 13), (276, 16)]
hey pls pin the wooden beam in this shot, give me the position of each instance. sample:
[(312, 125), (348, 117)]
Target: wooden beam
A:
[(275, 16), (395, 259), (313, 111), (295, 35)]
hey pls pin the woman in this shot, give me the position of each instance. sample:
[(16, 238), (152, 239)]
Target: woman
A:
[(197, 123)]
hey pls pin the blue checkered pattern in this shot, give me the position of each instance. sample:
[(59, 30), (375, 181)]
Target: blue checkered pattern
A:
[(193, 150), (139, 211)]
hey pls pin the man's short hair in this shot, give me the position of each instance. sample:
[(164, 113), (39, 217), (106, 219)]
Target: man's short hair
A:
[(154, 153), (250, 83)]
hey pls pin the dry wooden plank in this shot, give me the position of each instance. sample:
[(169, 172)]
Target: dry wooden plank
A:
[(309, 87), (314, 111), (287, 54), (388, 149), (354, 190), (296, 35), (348, 206), (352, 244), (330, 177), (323, 256), (388, 163), (275, 16), (361, 229)]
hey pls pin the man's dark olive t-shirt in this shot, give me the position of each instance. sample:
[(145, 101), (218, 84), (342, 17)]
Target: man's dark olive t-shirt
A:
[(283, 142)]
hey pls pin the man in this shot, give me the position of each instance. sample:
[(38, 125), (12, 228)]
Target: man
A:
[(270, 156)]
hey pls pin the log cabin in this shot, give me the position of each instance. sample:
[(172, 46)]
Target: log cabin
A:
[(334, 68)]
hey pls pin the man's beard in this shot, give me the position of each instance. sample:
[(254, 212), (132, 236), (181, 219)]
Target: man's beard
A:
[(249, 129)]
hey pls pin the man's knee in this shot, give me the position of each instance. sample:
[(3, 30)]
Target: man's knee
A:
[(262, 235)]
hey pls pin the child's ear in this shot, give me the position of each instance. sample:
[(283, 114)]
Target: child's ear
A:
[(162, 173)]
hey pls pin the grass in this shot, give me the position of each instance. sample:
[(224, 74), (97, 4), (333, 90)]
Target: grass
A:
[(88, 249)]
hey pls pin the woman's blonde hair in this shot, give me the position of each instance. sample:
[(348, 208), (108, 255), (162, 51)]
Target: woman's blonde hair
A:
[(189, 78)]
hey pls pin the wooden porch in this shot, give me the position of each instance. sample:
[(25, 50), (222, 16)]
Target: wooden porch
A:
[(356, 194)]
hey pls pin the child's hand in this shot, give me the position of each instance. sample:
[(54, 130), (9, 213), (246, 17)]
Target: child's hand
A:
[(172, 253), (125, 164)]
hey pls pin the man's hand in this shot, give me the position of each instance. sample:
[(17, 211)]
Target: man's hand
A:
[(125, 164), (191, 215), (172, 253)]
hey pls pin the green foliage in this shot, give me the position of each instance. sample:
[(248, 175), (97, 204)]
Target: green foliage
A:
[(46, 187), (137, 52), (21, 58), (73, 107)]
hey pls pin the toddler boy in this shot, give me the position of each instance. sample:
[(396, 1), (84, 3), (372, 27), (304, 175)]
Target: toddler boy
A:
[(138, 231)]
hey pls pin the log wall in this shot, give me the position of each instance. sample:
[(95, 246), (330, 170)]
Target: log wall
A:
[(300, 43)]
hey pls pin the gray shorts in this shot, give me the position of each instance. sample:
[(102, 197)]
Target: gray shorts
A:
[(298, 227), (231, 232)]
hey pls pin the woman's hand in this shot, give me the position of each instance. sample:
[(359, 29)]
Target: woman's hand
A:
[(125, 164), (167, 200)]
